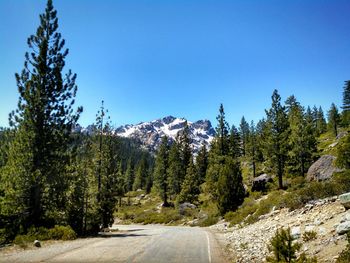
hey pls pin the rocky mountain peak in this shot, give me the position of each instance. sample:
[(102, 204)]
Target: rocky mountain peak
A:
[(150, 133)]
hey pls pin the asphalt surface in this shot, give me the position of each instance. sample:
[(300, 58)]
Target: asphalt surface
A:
[(132, 243)]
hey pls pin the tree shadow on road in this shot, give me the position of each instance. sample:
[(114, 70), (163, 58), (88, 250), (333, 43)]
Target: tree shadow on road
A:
[(111, 234)]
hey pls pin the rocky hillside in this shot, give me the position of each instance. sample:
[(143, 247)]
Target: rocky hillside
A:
[(150, 133), (326, 217)]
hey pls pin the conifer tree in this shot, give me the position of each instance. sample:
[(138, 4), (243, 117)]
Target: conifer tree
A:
[(220, 148), (222, 134), (120, 191), (302, 141), (185, 147), (244, 134), (190, 186), (252, 147), (346, 104), (230, 187), (107, 169), (277, 137), (235, 142), (175, 170), (38, 158), (202, 163), (161, 170), (141, 174), (129, 176), (82, 205), (321, 124), (333, 119)]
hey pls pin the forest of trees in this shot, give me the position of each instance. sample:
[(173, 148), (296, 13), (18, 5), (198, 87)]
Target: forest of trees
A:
[(51, 174)]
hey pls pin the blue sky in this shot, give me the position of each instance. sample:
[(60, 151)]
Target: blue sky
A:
[(149, 59)]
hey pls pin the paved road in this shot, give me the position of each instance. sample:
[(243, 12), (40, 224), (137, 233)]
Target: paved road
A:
[(131, 244)]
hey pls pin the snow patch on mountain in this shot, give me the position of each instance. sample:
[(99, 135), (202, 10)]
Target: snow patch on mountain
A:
[(151, 133)]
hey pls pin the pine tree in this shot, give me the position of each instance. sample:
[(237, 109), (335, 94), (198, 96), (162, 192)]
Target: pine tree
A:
[(321, 124), (120, 190), (160, 170), (222, 135), (252, 147), (185, 147), (202, 163), (38, 158), (244, 134), (333, 119), (346, 104), (107, 169), (302, 140), (235, 142), (175, 170), (230, 187), (82, 199), (220, 147), (141, 174), (129, 176), (190, 186), (277, 137)]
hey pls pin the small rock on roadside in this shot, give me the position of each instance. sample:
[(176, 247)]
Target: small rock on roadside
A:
[(37, 243)]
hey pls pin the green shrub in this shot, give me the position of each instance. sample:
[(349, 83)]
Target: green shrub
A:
[(309, 235), (42, 233), (344, 256), (210, 220), (62, 233), (284, 249), (22, 241)]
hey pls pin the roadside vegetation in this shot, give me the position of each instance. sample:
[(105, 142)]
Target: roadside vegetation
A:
[(59, 182)]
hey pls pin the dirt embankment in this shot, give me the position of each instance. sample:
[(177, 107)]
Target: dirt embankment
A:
[(250, 243)]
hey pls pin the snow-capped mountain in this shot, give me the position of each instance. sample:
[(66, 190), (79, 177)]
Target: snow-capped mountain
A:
[(151, 133)]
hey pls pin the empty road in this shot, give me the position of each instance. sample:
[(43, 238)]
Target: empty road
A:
[(132, 243)]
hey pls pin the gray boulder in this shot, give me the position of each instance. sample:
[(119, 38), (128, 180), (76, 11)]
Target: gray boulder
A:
[(184, 206), (345, 200), (322, 169), (259, 183), (343, 228)]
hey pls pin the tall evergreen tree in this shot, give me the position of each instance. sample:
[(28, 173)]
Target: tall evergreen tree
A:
[(82, 204), (129, 176), (231, 190), (235, 142), (244, 134), (175, 170), (333, 119), (277, 138), (38, 158), (141, 174), (346, 104), (222, 134), (321, 124), (220, 147), (202, 163), (190, 186), (185, 147), (302, 141), (161, 170), (252, 147)]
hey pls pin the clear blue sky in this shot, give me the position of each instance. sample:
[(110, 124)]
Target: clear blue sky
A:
[(148, 59)]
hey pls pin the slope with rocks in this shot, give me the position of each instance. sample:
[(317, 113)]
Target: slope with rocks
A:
[(324, 217)]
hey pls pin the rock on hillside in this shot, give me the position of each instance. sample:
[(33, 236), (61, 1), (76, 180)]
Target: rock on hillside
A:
[(250, 243), (151, 133), (322, 169)]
